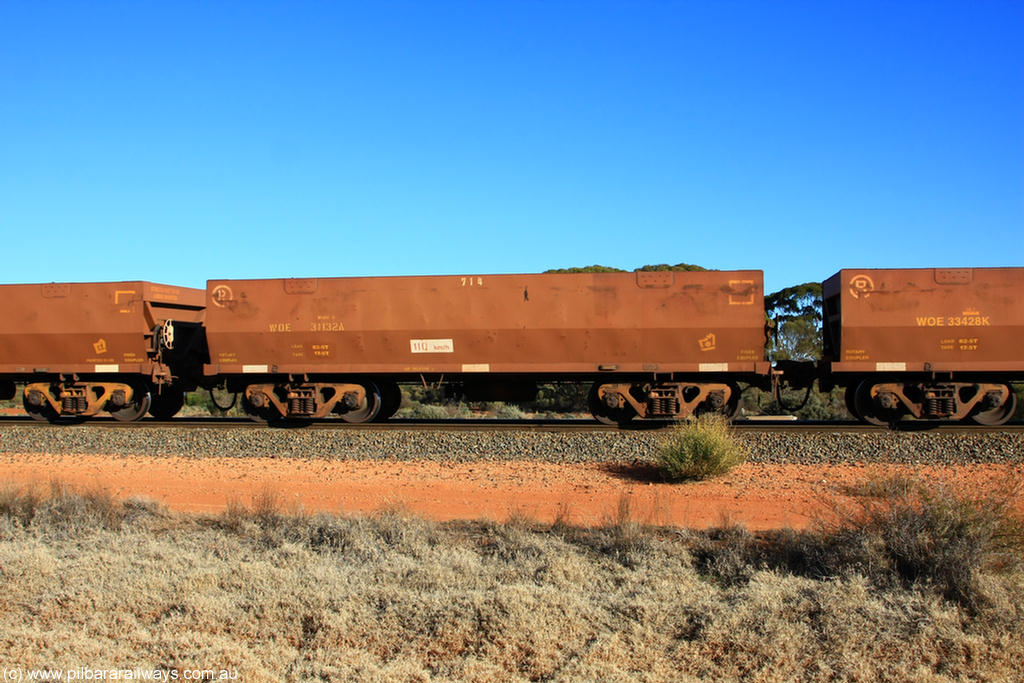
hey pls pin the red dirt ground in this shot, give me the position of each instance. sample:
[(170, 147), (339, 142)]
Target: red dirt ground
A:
[(758, 496)]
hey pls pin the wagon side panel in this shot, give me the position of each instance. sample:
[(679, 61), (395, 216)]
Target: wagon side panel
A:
[(542, 323), (930, 319)]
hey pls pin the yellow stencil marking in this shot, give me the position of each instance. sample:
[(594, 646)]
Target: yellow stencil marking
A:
[(130, 296), (742, 293)]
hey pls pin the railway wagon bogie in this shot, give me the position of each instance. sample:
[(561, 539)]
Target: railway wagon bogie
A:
[(351, 401), (888, 400), (662, 344), (621, 402), (125, 401)]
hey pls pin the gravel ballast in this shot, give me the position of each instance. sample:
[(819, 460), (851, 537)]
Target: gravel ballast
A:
[(776, 447)]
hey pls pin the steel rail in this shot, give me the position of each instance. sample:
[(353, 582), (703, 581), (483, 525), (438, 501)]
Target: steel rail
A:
[(495, 425)]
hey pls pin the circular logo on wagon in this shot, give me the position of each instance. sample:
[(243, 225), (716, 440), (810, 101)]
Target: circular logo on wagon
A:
[(861, 285), (222, 295)]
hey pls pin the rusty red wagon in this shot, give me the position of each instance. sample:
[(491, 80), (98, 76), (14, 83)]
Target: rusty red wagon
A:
[(654, 344), (928, 343), (127, 348)]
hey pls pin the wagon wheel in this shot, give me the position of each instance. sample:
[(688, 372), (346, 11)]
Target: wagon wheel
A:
[(999, 415), (133, 410), (850, 395), (166, 404), (868, 411), (732, 407), (605, 414), (390, 401), (369, 408), (43, 412), (259, 413)]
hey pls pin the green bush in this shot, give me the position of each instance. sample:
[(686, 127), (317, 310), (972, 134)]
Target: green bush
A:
[(14, 402), (507, 411), (200, 402), (423, 411), (700, 448)]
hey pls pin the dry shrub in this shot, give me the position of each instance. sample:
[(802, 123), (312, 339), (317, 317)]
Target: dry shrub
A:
[(396, 527), (729, 555), (700, 448), (266, 506), (521, 518), (327, 533), (628, 535), (563, 517), (623, 536), (509, 545), (914, 534), (66, 511), (900, 533), (235, 515), (887, 486), (20, 503), (70, 511)]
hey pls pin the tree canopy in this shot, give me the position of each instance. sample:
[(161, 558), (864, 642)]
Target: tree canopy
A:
[(796, 314), (610, 269), (679, 266), (587, 269)]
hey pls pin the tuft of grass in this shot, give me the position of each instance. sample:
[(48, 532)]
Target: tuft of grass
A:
[(563, 518), (20, 503), (623, 536), (507, 411), (68, 511), (728, 555), (700, 448), (889, 486), (626, 531), (72, 511), (266, 506)]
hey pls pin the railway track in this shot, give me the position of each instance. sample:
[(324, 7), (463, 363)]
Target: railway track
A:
[(558, 441), (495, 425)]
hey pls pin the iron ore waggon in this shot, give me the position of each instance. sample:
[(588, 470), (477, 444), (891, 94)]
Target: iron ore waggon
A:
[(654, 344), (930, 343), (127, 348)]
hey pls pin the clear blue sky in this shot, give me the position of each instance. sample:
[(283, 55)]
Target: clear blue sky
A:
[(180, 141)]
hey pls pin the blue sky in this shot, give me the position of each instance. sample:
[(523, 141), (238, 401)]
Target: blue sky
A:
[(181, 141)]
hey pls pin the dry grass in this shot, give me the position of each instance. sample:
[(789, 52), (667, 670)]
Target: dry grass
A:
[(899, 532), (389, 597), (63, 511), (905, 530)]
